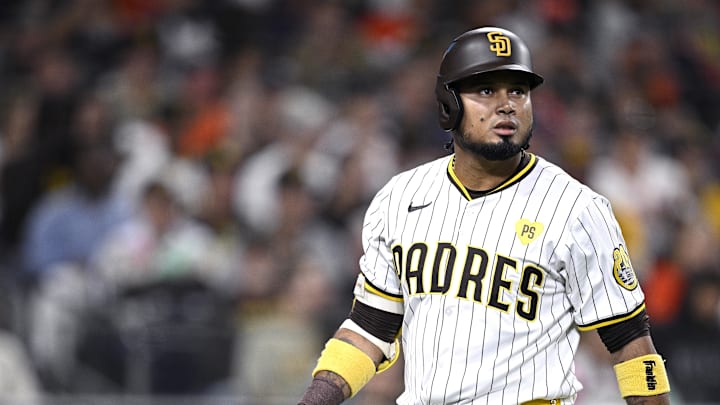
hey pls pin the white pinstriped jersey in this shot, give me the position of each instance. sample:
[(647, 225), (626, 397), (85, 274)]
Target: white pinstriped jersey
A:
[(494, 289)]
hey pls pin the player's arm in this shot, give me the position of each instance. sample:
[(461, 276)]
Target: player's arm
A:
[(365, 344), (329, 387), (640, 371), (645, 366)]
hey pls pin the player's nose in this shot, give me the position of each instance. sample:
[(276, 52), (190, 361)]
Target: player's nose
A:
[(505, 104)]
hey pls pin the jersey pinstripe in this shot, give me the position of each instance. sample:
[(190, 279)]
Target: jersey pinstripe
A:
[(494, 290)]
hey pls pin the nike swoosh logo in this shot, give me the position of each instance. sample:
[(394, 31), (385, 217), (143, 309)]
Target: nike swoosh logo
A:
[(412, 208)]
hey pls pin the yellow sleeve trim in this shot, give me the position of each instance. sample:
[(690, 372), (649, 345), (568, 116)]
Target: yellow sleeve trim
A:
[(642, 376), (612, 321), (347, 361), (382, 294)]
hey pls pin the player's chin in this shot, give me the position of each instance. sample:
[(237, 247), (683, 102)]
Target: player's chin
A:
[(518, 140), (506, 143), (495, 150)]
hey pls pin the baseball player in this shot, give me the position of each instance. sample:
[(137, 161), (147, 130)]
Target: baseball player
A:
[(486, 264)]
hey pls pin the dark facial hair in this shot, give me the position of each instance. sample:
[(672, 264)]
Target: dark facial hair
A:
[(492, 151)]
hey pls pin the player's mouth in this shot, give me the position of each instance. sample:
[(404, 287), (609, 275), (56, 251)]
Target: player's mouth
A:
[(505, 128)]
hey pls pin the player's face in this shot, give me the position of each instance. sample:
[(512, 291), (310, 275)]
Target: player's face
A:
[(497, 118)]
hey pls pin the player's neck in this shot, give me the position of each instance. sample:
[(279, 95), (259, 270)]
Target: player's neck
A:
[(476, 173)]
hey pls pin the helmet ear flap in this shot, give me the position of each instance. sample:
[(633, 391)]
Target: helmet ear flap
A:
[(450, 108)]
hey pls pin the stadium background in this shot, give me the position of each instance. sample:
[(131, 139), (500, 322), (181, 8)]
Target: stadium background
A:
[(231, 146)]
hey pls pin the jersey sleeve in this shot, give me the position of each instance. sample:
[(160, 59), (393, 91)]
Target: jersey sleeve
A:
[(378, 284), (601, 282)]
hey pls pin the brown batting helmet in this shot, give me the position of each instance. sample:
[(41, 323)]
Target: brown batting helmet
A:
[(475, 52)]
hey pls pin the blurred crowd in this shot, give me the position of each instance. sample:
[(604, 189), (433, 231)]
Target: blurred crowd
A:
[(183, 182)]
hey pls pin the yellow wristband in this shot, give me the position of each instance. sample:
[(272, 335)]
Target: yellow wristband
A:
[(347, 361), (642, 376)]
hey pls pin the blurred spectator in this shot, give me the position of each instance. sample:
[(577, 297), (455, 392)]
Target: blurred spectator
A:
[(261, 276), (134, 87), (304, 232), (56, 305), (19, 382), (691, 343), (646, 189), (146, 150), (278, 342), (160, 241), (224, 257), (70, 223), (21, 171), (206, 115), (187, 35), (325, 55), (63, 231), (300, 115), (362, 134), (39, 150)]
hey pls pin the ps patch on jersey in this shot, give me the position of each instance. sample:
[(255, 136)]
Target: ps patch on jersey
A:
[(528, 231), (622, 268)]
